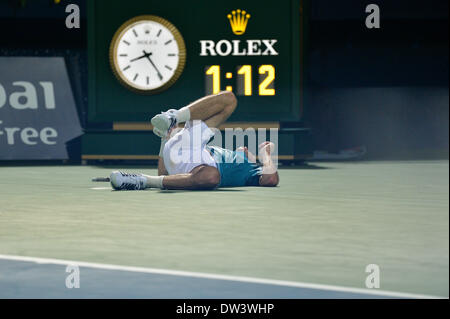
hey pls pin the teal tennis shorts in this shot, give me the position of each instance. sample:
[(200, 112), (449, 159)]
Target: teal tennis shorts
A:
[(234, 167)]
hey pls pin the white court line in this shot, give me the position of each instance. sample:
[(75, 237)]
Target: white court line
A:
[(374, 292), (100, 188)]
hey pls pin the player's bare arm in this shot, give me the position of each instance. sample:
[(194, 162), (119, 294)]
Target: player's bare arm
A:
[(269, 176)]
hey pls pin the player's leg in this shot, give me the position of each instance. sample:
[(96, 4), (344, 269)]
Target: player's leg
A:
[(213, 110), (201, 177)]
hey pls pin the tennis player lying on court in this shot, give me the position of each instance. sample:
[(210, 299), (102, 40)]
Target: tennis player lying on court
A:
[(187, 161)]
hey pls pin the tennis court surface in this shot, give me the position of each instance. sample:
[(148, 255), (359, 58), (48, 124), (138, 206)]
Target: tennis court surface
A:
[(311, 237)]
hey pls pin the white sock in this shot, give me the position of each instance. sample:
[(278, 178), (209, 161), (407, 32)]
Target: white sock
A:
[(183, 115), (154, 181)]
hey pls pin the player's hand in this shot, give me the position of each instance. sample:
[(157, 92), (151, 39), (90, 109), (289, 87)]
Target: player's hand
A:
[(249, 155), (265, 150)]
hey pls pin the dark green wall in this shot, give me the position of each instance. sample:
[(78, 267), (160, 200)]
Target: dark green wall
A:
[(206, 20)]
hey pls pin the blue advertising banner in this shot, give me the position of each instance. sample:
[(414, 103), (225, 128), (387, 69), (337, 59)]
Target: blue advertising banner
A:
[(37, 109)]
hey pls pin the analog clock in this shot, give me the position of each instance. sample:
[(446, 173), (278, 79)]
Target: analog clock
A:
[(147, 54)]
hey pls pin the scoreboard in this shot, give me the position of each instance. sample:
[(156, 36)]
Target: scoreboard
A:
[(149, 56), (252, 48)]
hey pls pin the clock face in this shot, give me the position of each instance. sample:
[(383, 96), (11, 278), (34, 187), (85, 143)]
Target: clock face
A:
[(147, 54)]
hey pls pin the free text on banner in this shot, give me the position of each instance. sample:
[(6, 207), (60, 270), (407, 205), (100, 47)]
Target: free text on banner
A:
[(37, 109)]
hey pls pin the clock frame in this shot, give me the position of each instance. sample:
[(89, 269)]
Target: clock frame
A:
[(116, 40)]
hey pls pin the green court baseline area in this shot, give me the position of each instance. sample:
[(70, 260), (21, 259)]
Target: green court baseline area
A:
[(310, 237)]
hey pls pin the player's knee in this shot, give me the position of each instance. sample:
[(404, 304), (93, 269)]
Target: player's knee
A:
[(229, 99), (207, 178)]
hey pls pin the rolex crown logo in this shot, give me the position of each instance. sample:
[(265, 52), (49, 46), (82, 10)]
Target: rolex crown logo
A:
[(238, 21)]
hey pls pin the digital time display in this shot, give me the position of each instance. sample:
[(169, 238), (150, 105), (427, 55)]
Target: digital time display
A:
[(242, 81)]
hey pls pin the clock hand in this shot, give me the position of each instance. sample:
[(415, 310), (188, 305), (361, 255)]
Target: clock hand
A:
[(159, 74), (140, 57)]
